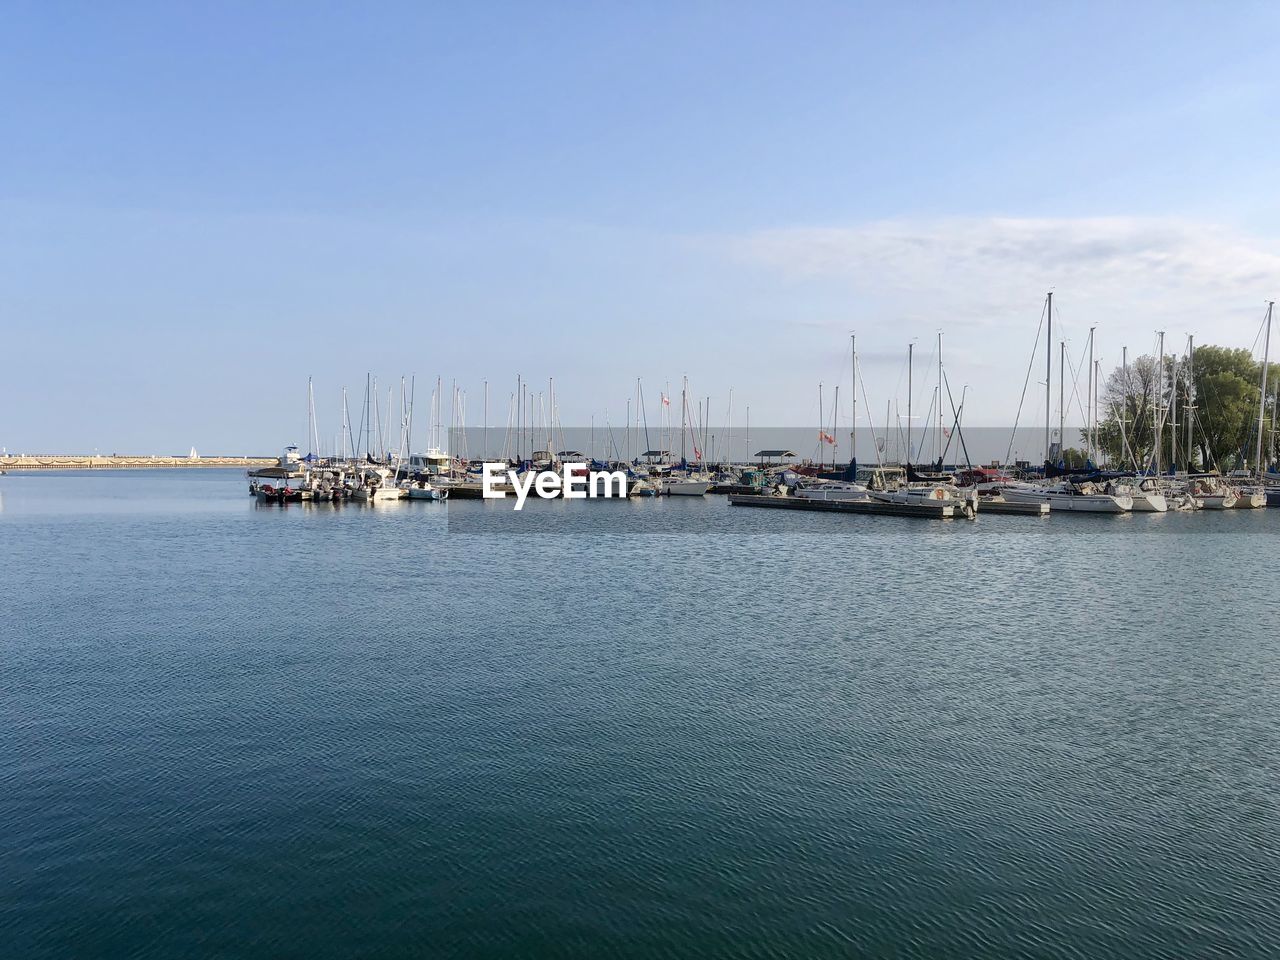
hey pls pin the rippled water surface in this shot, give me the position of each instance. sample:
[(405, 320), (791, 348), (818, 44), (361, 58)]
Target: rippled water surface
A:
[(659, 729)]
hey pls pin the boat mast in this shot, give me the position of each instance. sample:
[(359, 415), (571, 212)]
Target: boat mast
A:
[(1097, 380), (822, 456), (1173, 417), (853, 392), (1062, 398), (1048, 373), (939, 400), (1159, 412), (684, 387), (910, 355), (1262, 392), (1124, 398), (835, 415), (1089, 405), (1191, 391), (346, 426)]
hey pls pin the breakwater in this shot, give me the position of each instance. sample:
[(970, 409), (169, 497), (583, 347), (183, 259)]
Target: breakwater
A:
[(114, 462)]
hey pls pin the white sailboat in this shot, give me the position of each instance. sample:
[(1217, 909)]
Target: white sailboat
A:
[(831, 490), (1071, 498)]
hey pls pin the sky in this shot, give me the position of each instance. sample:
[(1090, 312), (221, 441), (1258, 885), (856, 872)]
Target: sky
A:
[(203, 205)]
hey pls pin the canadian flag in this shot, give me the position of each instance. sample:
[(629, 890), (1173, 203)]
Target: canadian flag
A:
[(826, 437), (666, 401)]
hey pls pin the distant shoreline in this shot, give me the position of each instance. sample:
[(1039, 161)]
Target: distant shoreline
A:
[(90, 462)]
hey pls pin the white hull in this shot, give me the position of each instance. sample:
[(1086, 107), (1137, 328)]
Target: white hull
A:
[(851, 491), (377, 494), (686, 488), (1250, 501), (424, 493), (1217, 501), (1072, 502), (1144, 502)]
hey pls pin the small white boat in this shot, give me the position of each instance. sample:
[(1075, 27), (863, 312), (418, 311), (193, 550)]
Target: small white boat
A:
[(423, 490), (832, 490), (928, 495), (1147, 497), (1212, 494), (685, 487), (1250, 498), (375, 485)]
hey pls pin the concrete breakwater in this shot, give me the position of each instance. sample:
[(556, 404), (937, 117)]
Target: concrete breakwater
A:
[(93, 462)]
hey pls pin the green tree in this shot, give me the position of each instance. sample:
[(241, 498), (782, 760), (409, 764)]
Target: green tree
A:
[(1226, 403), (1220, 396)]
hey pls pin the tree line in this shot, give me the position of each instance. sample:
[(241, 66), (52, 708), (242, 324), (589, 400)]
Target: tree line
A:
[(1205, 412)]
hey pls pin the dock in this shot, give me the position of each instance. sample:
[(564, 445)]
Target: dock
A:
[(1005, 506), (942, 511)]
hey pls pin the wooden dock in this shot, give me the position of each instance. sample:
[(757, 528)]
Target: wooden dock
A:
[(927, 511)]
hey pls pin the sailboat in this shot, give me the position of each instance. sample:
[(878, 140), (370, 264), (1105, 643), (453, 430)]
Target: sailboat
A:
[(925, 491), (1064, 494), (1254, 495), (685, 483)]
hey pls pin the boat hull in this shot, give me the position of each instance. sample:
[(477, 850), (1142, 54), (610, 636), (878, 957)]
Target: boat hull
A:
[(686, 488), (1150, 503), (1073, 502)]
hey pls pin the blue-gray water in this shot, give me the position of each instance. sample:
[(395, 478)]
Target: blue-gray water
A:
[(235, 731)]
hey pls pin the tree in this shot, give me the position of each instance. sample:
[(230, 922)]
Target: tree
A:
[(1220, 396), (1129, 400), (1226, 403)]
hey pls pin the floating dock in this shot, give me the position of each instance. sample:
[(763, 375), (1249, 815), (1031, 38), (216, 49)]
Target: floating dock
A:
[(1006, 506), (926, 511)]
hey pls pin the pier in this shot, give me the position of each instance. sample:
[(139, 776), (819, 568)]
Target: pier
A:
[(114, 462), (940, 511)]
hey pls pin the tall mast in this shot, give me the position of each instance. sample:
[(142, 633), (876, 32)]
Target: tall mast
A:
[(1048, 371), (1062, 396), (1097, 379), (910, 354), (1191, 391), (835, 415), (1262, 393), (853, 392), (1173, 417), (1089, 444), (346, 427), (939, 399), (1159, 413), (821, 428), (1124, 395), (684, 386)]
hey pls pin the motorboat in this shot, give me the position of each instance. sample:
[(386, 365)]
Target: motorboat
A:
[(376, 485)]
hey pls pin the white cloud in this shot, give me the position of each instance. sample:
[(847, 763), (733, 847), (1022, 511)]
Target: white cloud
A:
[(982, 281), (1133, 271)]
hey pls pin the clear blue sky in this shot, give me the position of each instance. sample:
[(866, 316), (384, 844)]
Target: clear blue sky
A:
[(203, 204)]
